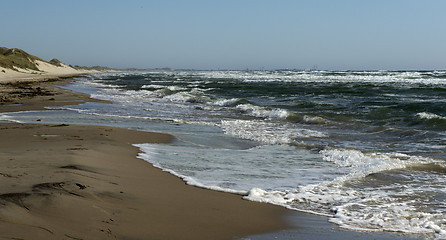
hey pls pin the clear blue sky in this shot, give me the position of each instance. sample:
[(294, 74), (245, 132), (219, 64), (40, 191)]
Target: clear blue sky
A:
[(231, 34)]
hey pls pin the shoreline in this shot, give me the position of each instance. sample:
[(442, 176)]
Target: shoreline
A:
[(26, 95), (84, 182), (183, 212)]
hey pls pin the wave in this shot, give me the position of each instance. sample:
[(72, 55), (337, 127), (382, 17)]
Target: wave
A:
[(362, 164), (265, 112), (170, 88), (245, 107), (376, 77), (184, 97), (374, 208), (427, 115), (233, 102), (314, 120), (7, 118), (267, 132), (432, 120), (438, 167), (396, 207)]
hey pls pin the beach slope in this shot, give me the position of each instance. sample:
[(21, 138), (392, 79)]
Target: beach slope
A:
[(85, 182)]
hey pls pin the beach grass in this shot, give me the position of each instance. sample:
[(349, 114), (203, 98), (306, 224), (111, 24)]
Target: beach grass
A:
[(16, 58), (56, 62)]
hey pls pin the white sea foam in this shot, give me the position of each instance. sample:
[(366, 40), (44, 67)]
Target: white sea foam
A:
[(8, 118), (158, 86), (362, 164), (273, 197), (380, 212), (267, 132), (258, 111), (182, 97), (153, 86), (328, 76), (95, 84), (170, 88), (393, 207), (228, 102), (314, 120), (427, 115)]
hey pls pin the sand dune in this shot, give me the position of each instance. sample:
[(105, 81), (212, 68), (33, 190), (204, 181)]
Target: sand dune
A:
[(16, 64), (46, 70)]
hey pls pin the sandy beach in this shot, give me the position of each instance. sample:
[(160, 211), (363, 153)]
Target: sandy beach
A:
[(85, 182)]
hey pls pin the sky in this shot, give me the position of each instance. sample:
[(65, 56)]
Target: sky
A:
[(231, 34)]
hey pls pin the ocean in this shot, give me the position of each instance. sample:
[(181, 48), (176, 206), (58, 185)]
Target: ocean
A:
[(367, 149)]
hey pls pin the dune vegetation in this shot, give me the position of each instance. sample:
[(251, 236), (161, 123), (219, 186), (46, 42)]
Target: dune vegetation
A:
[(13, 58)]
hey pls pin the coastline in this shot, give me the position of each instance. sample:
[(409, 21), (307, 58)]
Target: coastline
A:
[(89, 185), (85, 182)]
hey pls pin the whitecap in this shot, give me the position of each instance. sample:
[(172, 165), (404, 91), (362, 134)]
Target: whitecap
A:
[(263, 112), (314, 120), (267, 132), (427, 115), (229, 102)]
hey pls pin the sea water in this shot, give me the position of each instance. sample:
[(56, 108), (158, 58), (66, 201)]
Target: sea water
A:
[(365, 148)]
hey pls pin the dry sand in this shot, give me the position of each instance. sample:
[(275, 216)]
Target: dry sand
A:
[(85, 182)]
